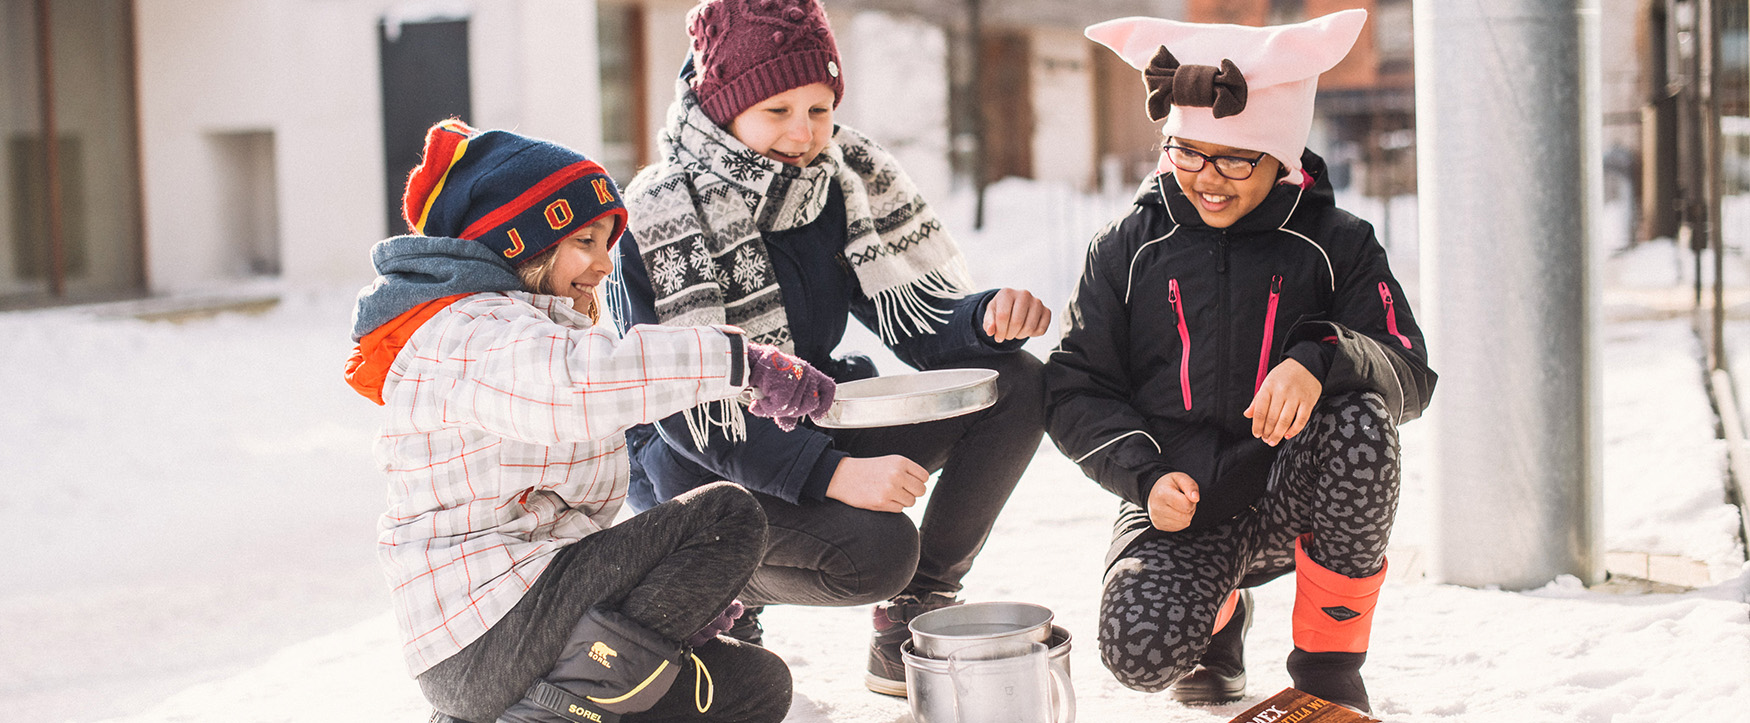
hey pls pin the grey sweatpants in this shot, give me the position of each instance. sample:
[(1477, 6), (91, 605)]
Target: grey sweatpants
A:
[(670, 569), (1337, 479)]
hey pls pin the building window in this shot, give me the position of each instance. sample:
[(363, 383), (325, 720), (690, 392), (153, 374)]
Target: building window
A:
[(620, 47), (248, 198), (70, 208), (1393, 36), (1283, 12), (1734, 71)]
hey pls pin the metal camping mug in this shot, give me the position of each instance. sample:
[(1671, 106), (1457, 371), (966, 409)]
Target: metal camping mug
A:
[(938, 633), (1009, 688)]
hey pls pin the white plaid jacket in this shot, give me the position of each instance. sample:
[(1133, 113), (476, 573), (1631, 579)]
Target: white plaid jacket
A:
[(504, 444)]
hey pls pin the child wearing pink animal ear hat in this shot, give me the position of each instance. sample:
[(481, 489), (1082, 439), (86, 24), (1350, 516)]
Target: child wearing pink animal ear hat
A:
[(1235, 363)]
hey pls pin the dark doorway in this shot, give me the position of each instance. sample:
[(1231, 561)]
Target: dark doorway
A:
[(425, 80), (1006, 102)]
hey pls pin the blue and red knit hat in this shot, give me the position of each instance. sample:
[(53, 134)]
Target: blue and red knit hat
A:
[(517, 195)]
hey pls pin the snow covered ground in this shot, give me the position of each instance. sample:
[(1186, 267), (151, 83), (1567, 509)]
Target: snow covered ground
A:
[(191, 509)]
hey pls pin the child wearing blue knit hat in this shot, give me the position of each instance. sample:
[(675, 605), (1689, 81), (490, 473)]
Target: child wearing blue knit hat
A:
[(517, 597)]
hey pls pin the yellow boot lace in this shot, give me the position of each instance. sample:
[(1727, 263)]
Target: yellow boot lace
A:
[(702, 680)]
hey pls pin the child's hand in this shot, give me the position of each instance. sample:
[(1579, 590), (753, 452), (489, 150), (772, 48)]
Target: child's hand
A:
[(718, 625), (1172, 502), (1015, 314), (1284, 402), (790, 388), (883, 484)]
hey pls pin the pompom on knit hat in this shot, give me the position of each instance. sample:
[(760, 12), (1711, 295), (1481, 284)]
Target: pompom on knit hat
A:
[(745, 51), (517, 195), (1234, 85)]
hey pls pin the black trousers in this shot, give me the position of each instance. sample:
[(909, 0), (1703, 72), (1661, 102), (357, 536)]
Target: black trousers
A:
[(671, 569), (829, 553), (1337, 479)]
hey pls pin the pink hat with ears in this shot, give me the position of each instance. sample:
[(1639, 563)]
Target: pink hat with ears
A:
[(1234, 85)]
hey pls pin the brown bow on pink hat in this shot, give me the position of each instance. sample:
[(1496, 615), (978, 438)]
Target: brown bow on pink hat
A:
[(1234, 85)]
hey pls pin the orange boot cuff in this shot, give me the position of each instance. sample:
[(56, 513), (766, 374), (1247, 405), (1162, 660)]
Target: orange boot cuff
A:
[(1226, 612), (1332, 613)]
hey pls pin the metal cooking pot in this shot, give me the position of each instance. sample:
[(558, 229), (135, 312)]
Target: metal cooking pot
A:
[(899, 399), (939, 633)]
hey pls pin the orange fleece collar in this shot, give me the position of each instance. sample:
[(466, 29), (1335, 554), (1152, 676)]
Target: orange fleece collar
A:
[(368, 367)]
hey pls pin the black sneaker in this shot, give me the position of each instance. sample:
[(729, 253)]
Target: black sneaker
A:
[(886, 665), (1220, 676), (747, 628)]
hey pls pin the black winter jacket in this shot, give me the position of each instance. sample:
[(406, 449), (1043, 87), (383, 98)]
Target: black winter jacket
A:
[(1174, 324), (820, 294)]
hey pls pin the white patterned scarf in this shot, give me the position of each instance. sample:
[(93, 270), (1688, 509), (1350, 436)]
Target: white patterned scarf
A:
[(698, 218)]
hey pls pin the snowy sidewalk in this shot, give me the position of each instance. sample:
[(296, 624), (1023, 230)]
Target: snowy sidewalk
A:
[(192, 506), (1442, 653)]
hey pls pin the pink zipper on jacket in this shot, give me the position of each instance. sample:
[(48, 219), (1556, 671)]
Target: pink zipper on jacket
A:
[(1184, 341), (1269, 331), (1391, 316)]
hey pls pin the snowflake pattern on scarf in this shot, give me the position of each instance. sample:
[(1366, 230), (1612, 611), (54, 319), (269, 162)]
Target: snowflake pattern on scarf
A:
[(743, 164), (667, 271), (750, 269), (700, 260)]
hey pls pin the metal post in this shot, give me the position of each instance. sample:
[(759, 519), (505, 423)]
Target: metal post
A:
[(51, 153), (975, 95), (1708, 126), (1507, 113), (1691, 233), (1658, 210)]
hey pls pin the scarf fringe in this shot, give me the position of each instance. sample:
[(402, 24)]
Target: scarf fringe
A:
[(723, 414), (906, 310)]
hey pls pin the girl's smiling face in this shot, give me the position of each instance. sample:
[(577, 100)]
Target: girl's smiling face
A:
[(581, 262), (1220, 200), (791, 127)]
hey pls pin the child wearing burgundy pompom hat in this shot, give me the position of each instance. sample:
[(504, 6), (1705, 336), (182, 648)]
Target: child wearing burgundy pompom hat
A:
[(517, 597), (763, 213), (1236, 361)]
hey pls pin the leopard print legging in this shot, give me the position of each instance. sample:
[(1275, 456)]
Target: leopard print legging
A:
[(1337, 479)]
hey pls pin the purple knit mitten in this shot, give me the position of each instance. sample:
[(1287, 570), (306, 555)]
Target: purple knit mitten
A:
[(789, 388), (718, 625)]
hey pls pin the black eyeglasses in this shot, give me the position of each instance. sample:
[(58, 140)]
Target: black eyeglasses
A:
[(1235, 168)]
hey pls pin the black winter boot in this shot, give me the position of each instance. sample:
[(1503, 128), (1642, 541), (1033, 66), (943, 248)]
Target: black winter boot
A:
[(1220, 676), (611, 666), (747, 684), (747, 628), (1336, 677), (892, 621)]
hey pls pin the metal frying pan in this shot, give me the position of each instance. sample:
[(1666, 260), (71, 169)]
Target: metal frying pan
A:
[(910, 398)]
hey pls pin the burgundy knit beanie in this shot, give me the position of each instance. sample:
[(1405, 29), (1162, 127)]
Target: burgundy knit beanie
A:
[(745, 51)]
